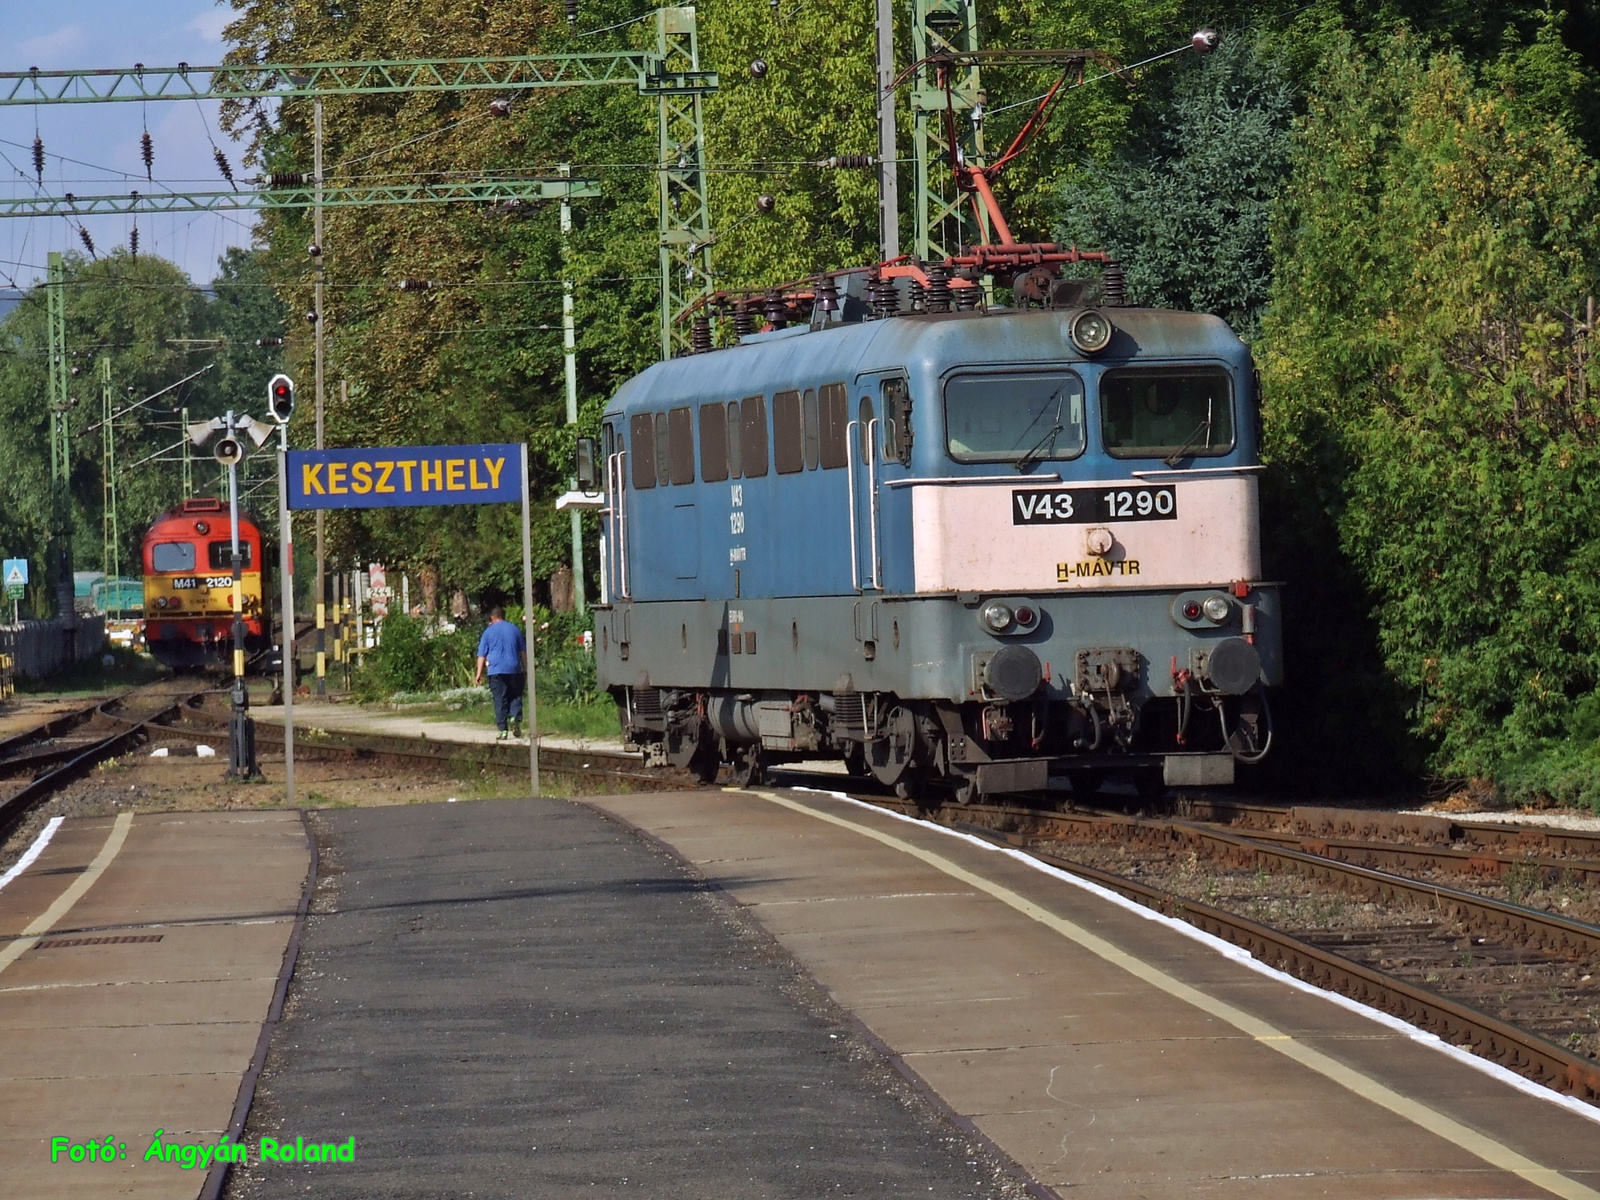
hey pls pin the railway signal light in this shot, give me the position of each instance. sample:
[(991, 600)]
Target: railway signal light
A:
[(280, 398)]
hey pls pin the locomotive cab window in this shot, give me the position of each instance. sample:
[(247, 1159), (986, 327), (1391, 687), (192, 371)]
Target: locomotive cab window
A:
[(834, 421), (680, 444), (220, 555), (1169, 413), (172, 556), (896, 421), (642, 433), (1022, 417), (753, 418), (713, 443)]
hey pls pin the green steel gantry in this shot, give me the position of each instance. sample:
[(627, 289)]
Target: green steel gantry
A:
[(60, 438), (670, 73), (943, 225), (333, 196)]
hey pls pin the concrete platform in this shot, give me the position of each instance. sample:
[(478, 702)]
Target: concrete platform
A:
[(1109, 1054), (102, 1038), (525, 999), (352, 718)]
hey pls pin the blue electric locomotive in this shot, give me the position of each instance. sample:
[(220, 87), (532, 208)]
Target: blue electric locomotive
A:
[(966, 551)]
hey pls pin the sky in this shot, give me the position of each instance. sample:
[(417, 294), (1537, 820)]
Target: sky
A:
[(77, 34)]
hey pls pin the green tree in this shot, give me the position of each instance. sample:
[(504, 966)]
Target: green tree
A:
[(1186, 206), (1429, 394)]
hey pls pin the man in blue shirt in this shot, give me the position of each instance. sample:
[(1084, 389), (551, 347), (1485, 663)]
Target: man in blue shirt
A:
[(503, 652)]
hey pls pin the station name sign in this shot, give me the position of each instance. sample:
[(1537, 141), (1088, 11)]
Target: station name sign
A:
[(404, 476)]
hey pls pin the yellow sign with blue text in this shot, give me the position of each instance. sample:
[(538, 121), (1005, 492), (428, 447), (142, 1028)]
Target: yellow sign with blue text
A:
[(404, 476)]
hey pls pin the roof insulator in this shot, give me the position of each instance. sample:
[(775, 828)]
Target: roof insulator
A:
[(744, 321), (827, 294), (938, 296), (700, 334), (776, 310), (147, 151)]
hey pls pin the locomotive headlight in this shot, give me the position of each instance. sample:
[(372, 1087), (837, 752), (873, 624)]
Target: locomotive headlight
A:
[(1090, 331), (997, 616), (1217, 608)]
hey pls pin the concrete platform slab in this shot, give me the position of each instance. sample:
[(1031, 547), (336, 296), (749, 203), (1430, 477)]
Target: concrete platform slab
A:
[(1108, 1053), (113, 1038)]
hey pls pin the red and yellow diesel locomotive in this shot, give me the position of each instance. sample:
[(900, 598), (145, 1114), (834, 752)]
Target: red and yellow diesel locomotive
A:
[(188, 585)]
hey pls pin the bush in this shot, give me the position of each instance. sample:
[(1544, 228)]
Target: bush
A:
[(412, 658)]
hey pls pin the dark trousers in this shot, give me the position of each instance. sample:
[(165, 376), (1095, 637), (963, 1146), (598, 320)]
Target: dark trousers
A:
[(507, 693)]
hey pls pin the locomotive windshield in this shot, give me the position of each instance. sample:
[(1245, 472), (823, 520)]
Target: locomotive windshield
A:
[(1018, 418), (1169, 413), (172, 556)]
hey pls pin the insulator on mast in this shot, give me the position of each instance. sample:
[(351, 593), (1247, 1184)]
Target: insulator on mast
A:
[(416, 285), (500, 107), (287, 179), (572, 13), (849, 162), (765, 203), (269, 341), (758, 68), (38, 158), (133, 243), (223, 167), (147, 151), (88, 242)]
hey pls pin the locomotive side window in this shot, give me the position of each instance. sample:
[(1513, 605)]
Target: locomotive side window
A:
[(1025, 417), (809, 420), (680, 435), (835, 421), (172, 556), (1169, 413), (787, 434), (220, 555), (663, 450), (642, 433), (753, 417), (896, 421), (735, 441), (713, 443)]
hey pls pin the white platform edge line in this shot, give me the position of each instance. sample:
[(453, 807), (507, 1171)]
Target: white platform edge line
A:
[(32, 852), (1245, 958)]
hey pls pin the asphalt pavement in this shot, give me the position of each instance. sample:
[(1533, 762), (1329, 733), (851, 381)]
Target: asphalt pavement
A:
[(525, 998)]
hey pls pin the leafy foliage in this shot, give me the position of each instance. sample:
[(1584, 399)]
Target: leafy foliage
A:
[(1429, 389), (1186, 205)]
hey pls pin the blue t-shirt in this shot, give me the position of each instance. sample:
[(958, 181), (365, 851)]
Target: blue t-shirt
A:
[(501, 644)]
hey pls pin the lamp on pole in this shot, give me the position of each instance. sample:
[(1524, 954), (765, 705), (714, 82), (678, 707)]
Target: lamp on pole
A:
[(230, 450)]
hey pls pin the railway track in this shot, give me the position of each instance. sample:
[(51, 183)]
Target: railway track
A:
[(1517, 1022), (100, 731)]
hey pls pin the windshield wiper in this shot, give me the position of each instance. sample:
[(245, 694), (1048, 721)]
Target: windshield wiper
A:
[(1193, 439), (1046, 445)]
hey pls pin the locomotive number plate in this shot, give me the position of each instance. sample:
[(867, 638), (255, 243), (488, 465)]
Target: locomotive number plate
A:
[(209, 581), (180, 584), (1087, 506)]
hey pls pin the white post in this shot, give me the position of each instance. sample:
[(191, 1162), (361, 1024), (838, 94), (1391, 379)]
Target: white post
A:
[(569, 347), (286, 569), (532, 703)]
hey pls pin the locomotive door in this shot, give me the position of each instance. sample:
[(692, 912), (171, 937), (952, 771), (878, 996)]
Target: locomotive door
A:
[(614, 579), (868, 448)]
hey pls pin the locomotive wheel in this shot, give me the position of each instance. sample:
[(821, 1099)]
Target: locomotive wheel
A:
[(1086, 783), (855, 761), (706, 763), (963, 788), (890, 757), (748, 768)]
